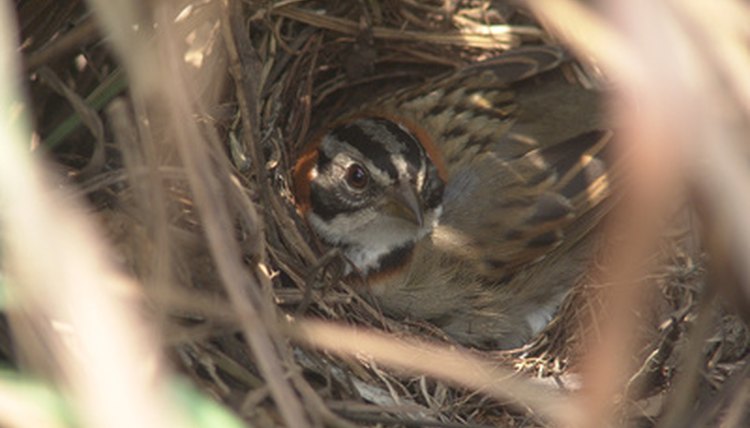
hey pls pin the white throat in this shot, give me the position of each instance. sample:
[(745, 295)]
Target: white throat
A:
[(366, 247)]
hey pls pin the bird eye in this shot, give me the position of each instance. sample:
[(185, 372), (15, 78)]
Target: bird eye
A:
[(356, 176)]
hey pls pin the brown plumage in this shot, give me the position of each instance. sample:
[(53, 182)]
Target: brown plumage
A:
[(483, 188)]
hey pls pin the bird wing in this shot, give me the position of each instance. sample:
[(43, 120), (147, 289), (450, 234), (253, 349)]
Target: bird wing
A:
[(526, 157)]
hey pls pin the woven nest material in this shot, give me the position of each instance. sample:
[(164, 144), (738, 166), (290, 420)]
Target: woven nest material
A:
[(302, 63)]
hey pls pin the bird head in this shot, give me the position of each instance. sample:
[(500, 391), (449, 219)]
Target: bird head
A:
[(369, 187)]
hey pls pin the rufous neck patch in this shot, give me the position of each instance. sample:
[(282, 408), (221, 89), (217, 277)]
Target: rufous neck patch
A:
[(303, 175)]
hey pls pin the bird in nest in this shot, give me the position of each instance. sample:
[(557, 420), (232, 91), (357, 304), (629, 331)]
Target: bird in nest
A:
[(471, 201)]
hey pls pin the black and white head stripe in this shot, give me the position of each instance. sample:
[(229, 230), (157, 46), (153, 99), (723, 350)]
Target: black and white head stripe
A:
[(380, 140), (389, 151)]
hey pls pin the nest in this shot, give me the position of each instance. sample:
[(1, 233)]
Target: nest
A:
[(194, 195)]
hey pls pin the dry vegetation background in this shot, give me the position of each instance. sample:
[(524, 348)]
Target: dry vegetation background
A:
[(154, 272)]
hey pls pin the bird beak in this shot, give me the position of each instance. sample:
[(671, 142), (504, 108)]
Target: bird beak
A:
[(403, 203)]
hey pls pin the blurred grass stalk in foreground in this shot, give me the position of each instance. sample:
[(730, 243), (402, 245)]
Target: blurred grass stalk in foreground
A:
[(76, 318), (680, 70)]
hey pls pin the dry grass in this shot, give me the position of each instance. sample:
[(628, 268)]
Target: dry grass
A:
[(186, 176)]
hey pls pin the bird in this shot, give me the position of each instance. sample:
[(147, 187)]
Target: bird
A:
[(473, 201)]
